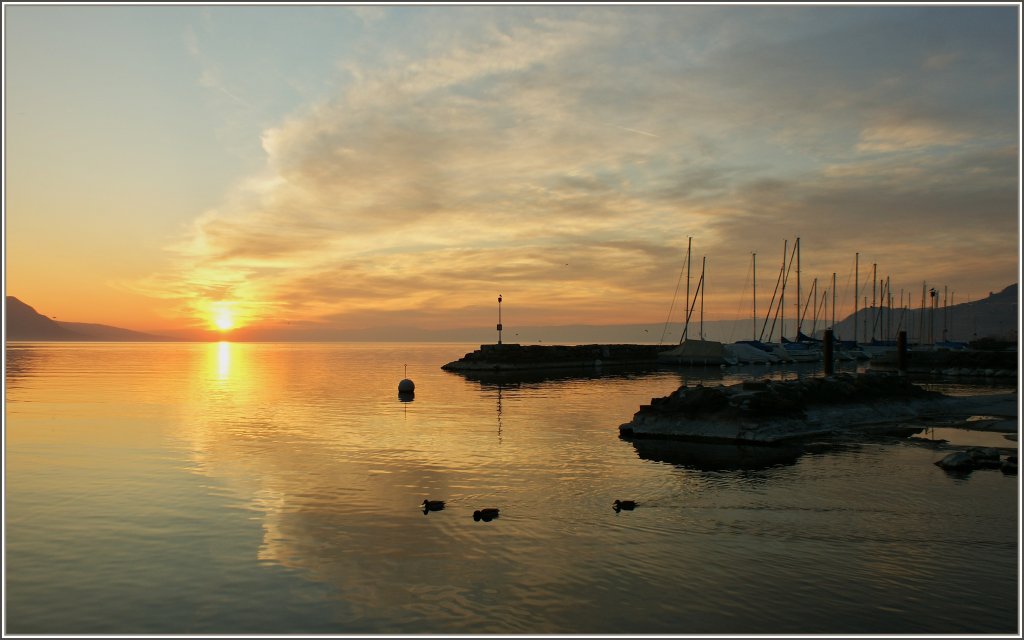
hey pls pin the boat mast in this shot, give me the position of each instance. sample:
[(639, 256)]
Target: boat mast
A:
[(856, 292), (833, 325), (814, 316), (952, 305), (799, 316), (782, 296), (704, 262), (945, 311), (888, 317), (874, 286), (689, 244), (753, 259), (689, 312)]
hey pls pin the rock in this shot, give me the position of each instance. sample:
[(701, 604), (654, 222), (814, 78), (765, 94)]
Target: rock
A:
[(957, 461), (1009, 468), (976, 458), (985, 457)]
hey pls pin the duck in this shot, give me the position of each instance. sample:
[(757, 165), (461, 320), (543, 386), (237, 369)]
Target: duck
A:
[(433, 505), (628, 505), (486, 515)]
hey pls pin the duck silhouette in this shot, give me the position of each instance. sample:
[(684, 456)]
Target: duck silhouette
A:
[(627, 505), (432, 505), (486, 515)]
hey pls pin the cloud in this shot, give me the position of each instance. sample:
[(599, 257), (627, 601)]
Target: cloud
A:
[(940, 61), (564, 156), (369, 14), (888, 137)]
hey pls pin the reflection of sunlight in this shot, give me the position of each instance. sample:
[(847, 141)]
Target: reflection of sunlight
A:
[(223, 360)]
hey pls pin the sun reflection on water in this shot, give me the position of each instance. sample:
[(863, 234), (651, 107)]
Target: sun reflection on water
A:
[(223, 360)]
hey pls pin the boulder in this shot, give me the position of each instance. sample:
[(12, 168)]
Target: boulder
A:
[(984, 457), (957, 461), (977, 458)]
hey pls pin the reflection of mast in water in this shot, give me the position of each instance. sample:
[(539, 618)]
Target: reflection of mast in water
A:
[(499, 414)]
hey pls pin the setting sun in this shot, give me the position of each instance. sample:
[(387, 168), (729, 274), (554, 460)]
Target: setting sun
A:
[(223, 318), (224, 321)]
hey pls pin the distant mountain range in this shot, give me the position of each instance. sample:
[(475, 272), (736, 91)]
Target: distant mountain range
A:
[(26, 324), (991, 317)]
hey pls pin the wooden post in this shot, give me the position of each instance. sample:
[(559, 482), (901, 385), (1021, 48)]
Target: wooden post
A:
[(901, 352)]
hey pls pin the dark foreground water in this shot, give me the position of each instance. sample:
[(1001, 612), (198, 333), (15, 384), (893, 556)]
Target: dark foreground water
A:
[(269, 488)]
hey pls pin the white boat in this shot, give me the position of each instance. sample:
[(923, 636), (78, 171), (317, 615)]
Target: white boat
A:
[(699, 352)]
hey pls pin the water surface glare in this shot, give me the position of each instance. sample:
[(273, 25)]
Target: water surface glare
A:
[(276, 488)]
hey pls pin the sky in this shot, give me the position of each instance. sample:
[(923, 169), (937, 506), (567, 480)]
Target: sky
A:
[(307, 171)]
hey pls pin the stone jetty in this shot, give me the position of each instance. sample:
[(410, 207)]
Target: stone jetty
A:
[(768, 411), (516, 357)]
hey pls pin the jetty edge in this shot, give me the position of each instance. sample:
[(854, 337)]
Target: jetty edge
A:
[(768, 412), (517, 357)]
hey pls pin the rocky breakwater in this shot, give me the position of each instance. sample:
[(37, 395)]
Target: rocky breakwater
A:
[(963, 462), (516, 357), (768, 411)]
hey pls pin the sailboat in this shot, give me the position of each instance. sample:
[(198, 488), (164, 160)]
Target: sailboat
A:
[(776, 350), (699, 351), (752, 351), (804, 348)]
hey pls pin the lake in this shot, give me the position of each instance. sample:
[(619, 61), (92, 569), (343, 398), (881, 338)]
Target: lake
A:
[(276, 488)]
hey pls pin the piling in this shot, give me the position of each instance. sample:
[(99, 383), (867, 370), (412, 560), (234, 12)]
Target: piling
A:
[(827, 353), (901, 352)]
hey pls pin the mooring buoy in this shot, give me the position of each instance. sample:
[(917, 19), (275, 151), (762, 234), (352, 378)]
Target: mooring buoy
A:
[(406, 388)]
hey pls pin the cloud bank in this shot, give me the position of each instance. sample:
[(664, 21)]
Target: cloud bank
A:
[(562, 156)]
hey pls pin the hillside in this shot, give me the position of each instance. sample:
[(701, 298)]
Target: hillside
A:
[(26, 324), (992, 317)]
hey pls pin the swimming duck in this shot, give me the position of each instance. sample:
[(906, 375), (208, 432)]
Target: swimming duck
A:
[(486, 515), (628, 505), (433, 505)]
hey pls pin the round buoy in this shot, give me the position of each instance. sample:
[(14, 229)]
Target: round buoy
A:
[(406, 386)]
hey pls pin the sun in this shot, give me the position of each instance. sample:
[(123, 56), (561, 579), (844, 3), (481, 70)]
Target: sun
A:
[(223, 320)]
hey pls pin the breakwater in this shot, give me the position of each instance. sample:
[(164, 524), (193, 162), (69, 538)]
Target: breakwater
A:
[(516, 357), (768, 412), (999, 364)]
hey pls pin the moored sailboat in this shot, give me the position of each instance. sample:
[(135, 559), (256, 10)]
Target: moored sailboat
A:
[(699, 351)]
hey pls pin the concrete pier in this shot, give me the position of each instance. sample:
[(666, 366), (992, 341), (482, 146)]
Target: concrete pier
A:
[(516, 357)]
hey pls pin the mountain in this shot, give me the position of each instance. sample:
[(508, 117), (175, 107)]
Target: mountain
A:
[(991, 317), (26, 324)]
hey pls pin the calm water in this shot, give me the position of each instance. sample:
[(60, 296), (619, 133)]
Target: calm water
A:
[(270, 488)]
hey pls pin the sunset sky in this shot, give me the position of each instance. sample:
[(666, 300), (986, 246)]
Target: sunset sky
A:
[(312, 169)]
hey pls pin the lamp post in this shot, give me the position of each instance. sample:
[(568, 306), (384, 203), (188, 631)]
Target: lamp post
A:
[(499, 318)]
